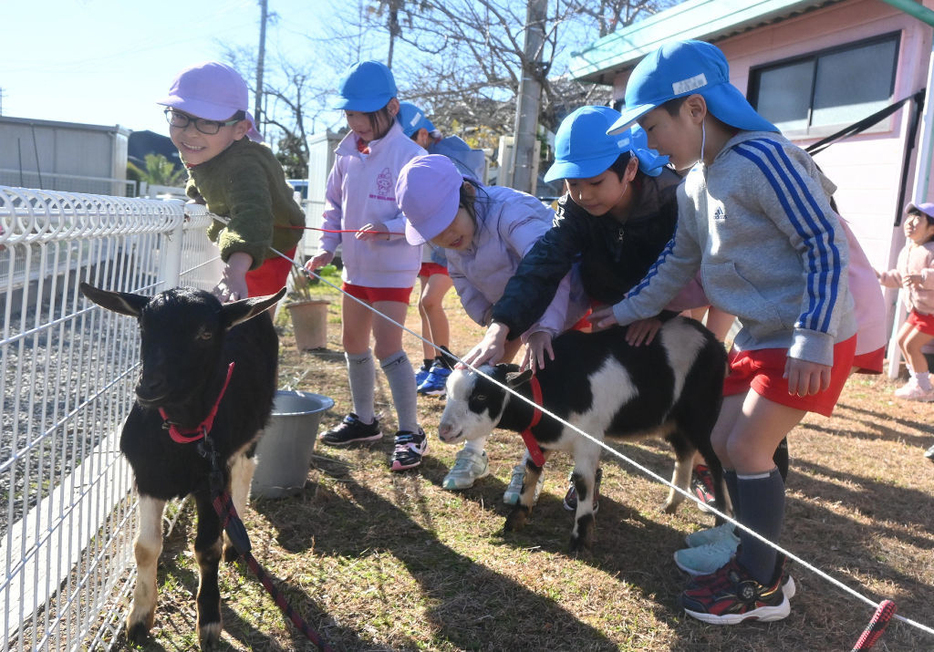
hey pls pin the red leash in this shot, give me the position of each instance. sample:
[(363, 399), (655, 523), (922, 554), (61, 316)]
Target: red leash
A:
[(876, 627), (315, 228), (200, 431), (535, 451)]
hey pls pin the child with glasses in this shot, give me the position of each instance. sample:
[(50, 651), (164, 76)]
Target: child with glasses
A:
[(236, 177), (380, 267)]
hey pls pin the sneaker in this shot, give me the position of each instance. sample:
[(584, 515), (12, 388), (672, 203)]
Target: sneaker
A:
[(469, 466), (514, 488), (912, 391), (351, 430), (712, 535), (409, 449), (570, 498), (702, 484), (706, 559), (437, 378), (731, 596), (929, 453), (422, 374)]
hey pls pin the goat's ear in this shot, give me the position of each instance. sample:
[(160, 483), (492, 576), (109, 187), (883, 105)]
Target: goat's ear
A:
[(124, 303), (238, 312), (514, 379)]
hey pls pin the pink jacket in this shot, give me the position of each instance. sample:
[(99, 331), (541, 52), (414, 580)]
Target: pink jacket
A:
[(914, 259), (361, 189)]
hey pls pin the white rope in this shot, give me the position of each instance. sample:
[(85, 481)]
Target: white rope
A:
[(631, 462)]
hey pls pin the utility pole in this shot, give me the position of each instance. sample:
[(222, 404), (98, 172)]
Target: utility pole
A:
[(530, 91), (260, 62)]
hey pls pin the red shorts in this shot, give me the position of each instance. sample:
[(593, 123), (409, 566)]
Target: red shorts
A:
[(372, 295), (429, 269), (869, 363), (924, 323), (271, 276), (761, 370)]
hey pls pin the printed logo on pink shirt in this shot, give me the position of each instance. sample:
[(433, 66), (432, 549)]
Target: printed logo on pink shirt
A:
[(384, 186)]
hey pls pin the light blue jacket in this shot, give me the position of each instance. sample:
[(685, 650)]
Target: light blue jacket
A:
[(758, 225)]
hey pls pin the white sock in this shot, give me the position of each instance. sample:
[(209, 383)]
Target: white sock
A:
[(924, 380), (401, 379), (475, 445)]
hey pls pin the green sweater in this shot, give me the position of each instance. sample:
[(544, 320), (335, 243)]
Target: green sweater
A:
[(246, 184)]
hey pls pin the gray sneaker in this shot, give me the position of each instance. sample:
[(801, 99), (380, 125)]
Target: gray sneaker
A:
[(707, 559), (514, 489), (469, 466), (712, 535)]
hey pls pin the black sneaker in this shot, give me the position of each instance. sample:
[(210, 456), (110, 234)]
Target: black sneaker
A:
[(702, 485), (570, 498), (351, 430), (409, 449)]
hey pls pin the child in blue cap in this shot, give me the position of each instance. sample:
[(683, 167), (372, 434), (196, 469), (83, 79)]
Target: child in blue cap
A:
[(380, 267), (617, 214), (237, 178), (755, 219)]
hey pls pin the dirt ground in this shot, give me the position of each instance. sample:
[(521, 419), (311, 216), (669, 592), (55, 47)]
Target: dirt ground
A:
[(382, 561)]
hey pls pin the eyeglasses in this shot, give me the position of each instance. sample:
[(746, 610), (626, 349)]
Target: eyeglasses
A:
[(207, 127)]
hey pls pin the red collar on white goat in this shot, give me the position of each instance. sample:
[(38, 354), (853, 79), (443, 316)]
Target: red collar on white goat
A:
[(200, 431), (535, 452)]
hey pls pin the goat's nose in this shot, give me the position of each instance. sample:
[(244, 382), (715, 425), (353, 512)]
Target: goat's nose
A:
[(445, 430), (151, 388)]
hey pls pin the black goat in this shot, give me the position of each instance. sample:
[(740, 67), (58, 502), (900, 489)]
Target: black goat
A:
[(671, 388), (189, 340)]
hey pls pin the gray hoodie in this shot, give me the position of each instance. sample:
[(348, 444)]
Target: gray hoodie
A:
[(758, 225)]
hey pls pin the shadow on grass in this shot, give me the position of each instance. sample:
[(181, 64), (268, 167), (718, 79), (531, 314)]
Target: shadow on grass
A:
[(472, 607)]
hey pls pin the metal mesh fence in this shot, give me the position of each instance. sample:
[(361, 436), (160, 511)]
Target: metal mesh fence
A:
[(66, 509)]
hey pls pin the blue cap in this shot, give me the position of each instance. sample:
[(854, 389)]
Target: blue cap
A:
[(412, 119), (583, 149), (366, 87), (683, 68)]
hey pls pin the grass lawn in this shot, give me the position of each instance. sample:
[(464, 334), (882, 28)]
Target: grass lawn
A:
[(383, 561)]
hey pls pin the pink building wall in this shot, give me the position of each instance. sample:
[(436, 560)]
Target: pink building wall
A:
[(866, 168)]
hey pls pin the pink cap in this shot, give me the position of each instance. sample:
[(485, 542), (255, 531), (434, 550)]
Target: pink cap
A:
[(210, 90), (927, 208), (428, 193)]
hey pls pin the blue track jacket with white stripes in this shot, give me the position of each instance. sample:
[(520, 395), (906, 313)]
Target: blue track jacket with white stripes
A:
[(757, 223)]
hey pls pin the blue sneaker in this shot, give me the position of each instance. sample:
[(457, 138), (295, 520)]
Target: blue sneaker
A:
[(434, 384), (422, 374)]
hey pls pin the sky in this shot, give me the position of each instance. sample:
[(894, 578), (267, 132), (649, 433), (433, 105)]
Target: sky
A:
[(107, 62)]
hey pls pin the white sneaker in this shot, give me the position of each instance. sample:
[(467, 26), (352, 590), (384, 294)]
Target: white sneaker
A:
[(469, 466), (912, 391), (706, 559), (712, 535), (514, 489)]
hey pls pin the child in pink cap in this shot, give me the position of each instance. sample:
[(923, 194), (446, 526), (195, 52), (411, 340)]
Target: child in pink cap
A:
[(485, 232), (915, 273), (237, 178)]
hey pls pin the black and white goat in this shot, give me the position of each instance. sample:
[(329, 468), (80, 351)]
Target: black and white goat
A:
[(671, 388), (189, 342)]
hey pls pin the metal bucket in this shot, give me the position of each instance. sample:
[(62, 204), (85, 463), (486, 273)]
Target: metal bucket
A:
[(284, 452)]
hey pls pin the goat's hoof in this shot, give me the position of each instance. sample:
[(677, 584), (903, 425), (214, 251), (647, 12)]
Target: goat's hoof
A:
[(581, 545), (209, 635), (138, 632), (231, 554), (517, 518), (669, 508)]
